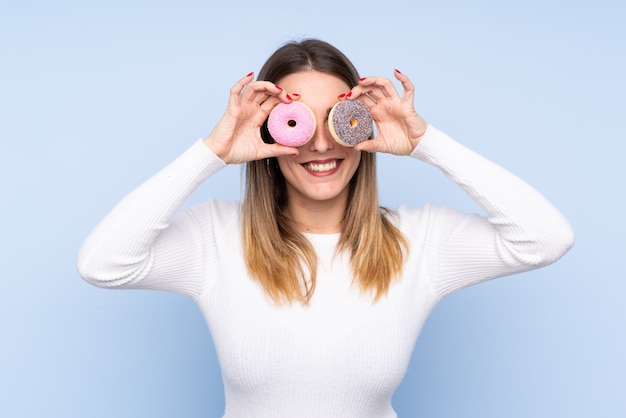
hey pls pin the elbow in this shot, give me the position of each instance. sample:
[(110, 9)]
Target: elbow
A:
[(90, 271), (557, 239), (561, 241), (90, 265), (87, 275), (104, 273), (548, 246)]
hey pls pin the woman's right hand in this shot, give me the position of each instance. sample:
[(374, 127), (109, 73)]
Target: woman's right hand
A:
[(237, 136)]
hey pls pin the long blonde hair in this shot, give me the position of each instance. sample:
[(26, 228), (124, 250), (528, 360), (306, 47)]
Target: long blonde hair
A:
[(276, 253)]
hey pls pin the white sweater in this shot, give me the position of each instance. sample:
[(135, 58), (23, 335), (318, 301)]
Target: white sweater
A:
[(341, 356)]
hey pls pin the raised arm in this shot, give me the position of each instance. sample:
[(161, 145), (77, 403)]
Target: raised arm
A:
[(521, 230), (138, 244)]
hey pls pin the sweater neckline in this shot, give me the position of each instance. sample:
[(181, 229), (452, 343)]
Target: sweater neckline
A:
[(323, 239)]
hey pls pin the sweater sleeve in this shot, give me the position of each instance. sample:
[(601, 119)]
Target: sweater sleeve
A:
[(521, 230), (141, 244)]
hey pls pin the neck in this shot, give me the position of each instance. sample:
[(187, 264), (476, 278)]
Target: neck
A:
[(318, 217)]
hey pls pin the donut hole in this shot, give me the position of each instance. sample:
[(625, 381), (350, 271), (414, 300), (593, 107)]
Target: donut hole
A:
[(353, 122), (291, 123)]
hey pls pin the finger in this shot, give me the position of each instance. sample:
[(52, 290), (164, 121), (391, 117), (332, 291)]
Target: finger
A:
[(237, 89), (259, 91), (276, 150), (369, 91), (371, 100), (379, 87), (359, 92), (373, 145), (376, 94), (269, 103), (409, 88)]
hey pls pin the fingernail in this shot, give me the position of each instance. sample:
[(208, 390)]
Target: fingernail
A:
[(289, 98), (341, 96), (349, 94), (295, 94), (279, 88), (361, 79), (250, 73), (398, 71)]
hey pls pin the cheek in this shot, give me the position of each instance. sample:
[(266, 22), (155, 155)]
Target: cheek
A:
[(284, 165), (355, 160)]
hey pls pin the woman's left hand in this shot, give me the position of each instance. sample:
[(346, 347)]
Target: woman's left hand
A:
[(399, 126)]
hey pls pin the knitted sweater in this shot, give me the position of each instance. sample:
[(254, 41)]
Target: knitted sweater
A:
[(342, 355)]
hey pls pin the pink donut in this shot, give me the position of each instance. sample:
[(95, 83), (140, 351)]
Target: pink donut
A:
[(291, 124)]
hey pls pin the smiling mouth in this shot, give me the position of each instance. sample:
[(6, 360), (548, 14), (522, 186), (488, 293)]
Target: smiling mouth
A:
[(322, 167)]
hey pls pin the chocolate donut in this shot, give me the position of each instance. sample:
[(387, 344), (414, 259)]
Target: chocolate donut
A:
[(350, 122)]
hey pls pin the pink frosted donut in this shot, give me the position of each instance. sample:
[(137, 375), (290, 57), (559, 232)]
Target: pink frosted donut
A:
[(350, 122), (291, 124)]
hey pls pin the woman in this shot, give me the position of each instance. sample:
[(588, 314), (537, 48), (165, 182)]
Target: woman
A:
[(313, 294)]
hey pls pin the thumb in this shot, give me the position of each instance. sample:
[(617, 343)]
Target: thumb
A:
[(372, 145), (276, 150)]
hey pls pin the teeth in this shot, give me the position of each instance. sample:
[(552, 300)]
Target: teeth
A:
[(321, 167)]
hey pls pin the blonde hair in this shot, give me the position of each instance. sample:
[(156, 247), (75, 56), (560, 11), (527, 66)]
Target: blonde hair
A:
[(276, 253)]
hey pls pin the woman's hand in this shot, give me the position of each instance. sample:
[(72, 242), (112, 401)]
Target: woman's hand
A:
[(399, 126), (237, 136)]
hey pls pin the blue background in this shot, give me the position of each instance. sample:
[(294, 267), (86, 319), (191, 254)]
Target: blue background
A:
[(97, 96)]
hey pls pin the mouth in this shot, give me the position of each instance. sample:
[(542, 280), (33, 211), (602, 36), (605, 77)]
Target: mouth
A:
[(322, 166)]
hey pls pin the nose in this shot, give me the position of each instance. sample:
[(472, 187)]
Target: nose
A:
[(322, 140)]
